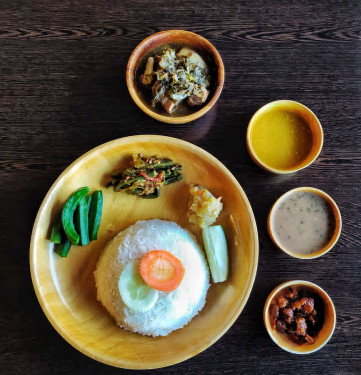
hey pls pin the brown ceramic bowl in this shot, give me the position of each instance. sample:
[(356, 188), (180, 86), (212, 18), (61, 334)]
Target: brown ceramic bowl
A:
[(196, 42), (323, 336)]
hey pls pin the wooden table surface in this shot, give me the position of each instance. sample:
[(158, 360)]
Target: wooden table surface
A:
[(63, 92)]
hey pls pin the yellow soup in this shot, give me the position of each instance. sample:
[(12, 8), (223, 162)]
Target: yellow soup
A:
[(281, 139)]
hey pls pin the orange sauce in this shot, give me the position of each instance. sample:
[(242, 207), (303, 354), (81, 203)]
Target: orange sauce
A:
[(281, 139)]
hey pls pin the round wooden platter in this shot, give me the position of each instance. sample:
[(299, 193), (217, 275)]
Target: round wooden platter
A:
[(66, 288)]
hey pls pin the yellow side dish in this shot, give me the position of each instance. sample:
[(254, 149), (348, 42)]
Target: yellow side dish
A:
[(204, 208), (281, 138)]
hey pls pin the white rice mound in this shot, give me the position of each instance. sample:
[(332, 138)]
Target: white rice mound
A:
[(173, 309)]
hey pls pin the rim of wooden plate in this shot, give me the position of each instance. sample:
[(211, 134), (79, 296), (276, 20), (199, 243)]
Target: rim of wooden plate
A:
[(48, 313), (164, 37)]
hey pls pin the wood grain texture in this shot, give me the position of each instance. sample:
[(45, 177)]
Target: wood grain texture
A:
[(63, 92)]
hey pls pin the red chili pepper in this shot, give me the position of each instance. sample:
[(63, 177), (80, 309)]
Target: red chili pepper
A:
[(157, 179)]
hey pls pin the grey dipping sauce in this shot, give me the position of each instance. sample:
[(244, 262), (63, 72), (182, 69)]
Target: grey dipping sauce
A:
[(303, 222)]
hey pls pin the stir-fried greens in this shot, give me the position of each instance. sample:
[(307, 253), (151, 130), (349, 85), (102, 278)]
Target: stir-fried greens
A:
[(146, 176), (175, 76)]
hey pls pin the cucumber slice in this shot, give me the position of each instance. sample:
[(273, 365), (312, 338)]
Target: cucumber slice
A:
[(215, 244), (135, 293)]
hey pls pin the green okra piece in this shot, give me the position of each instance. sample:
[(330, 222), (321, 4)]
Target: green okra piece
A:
[(56, 231), (123, 184), (166, 163), (120, 185), (136, 191), (63, 248), (67, 214), (81, 218), (173, 179), (95, 214), (156, 194)]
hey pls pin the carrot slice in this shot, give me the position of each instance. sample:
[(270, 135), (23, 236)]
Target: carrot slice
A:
[(161, 270)]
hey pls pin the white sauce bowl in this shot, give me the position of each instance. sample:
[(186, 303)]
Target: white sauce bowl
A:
[(285, 245)]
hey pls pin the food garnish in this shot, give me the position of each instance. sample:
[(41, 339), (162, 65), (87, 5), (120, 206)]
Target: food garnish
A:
[(215, 245), (146, 176), (297, 313), (175, 76), (79, 220), (135, 293), (161, 270), (204, 208)]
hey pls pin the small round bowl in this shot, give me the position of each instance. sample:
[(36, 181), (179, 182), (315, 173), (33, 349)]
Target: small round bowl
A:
[(307, 115), (282, 340), (190, 39), (336, 233)]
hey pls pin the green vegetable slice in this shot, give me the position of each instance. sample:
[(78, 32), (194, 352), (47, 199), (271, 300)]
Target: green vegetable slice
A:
[(63, 249), (81, 219), (88, 199), (67, 214), (95, 214), (56, 231), (135, 293), (215, 244)]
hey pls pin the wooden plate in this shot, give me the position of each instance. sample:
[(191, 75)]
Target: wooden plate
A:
[(66, 289)]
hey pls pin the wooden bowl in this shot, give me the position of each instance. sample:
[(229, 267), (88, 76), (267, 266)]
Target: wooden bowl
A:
[(66, 288), (190, 39), (326, 331), (336, 233), (307, 115)]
